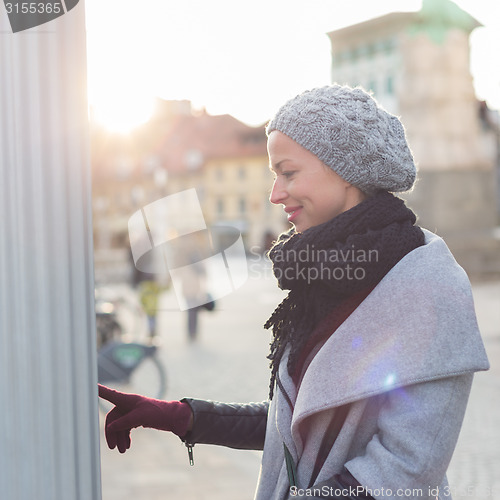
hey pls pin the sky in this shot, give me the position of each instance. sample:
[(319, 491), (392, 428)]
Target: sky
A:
[(239, 57)]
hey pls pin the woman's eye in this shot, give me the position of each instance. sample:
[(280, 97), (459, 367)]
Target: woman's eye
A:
[(287, 174)]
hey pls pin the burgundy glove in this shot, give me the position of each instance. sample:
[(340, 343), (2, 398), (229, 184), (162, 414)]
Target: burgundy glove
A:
[(132, 410)]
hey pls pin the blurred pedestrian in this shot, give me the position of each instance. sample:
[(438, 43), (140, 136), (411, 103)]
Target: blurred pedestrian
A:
[(189, 276), (148, 282), (194, 292), (149, 296), (375, 346)]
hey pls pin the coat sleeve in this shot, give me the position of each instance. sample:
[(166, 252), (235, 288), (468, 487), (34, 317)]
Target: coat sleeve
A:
[(235, 425), (418, 428)]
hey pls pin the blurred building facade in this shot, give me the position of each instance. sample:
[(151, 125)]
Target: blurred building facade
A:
[(416, 64), (224, 159)]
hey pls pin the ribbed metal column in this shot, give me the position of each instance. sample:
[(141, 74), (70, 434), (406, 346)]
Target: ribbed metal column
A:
[(49, 439)]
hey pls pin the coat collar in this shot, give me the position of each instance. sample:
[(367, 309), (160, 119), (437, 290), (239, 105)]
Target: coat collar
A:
[(417, 325)]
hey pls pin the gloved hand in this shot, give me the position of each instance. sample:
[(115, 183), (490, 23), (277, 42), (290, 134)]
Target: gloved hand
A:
[(133, 410)]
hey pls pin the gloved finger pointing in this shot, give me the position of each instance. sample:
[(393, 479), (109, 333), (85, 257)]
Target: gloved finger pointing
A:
[(115, 397)]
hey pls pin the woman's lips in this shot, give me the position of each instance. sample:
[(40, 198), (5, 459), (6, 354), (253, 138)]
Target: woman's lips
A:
[(292, 212)]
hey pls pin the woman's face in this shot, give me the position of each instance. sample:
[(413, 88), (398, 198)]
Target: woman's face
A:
[(310, 192)]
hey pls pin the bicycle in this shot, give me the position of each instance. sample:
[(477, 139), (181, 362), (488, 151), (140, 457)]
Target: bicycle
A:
[(123, 364)]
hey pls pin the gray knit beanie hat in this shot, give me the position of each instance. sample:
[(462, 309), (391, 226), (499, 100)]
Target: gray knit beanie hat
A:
[(349, 132)]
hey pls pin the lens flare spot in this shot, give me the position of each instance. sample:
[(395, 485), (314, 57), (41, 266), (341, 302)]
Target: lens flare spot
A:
[(390, 380)]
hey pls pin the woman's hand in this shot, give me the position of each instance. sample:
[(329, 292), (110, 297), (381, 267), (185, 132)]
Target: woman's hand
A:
[(133, 410)]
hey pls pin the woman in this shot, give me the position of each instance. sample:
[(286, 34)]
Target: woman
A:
[(374, 347)]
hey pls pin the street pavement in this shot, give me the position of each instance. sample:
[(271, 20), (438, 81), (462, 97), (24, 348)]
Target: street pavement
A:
[(228, 363)]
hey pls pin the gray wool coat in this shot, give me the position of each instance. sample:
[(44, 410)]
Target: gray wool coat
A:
[(404, 362)]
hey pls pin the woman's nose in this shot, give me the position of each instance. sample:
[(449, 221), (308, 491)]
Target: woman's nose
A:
[(278, 192)]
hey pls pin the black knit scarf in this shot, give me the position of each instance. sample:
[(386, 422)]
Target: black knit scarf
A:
[(329, 264)]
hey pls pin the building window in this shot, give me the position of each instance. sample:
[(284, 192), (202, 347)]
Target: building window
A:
[(363, 52), (344, 56), (389, 45), (193, 159), (242, 206), (389, 85), (219, 173), (220, 207)]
